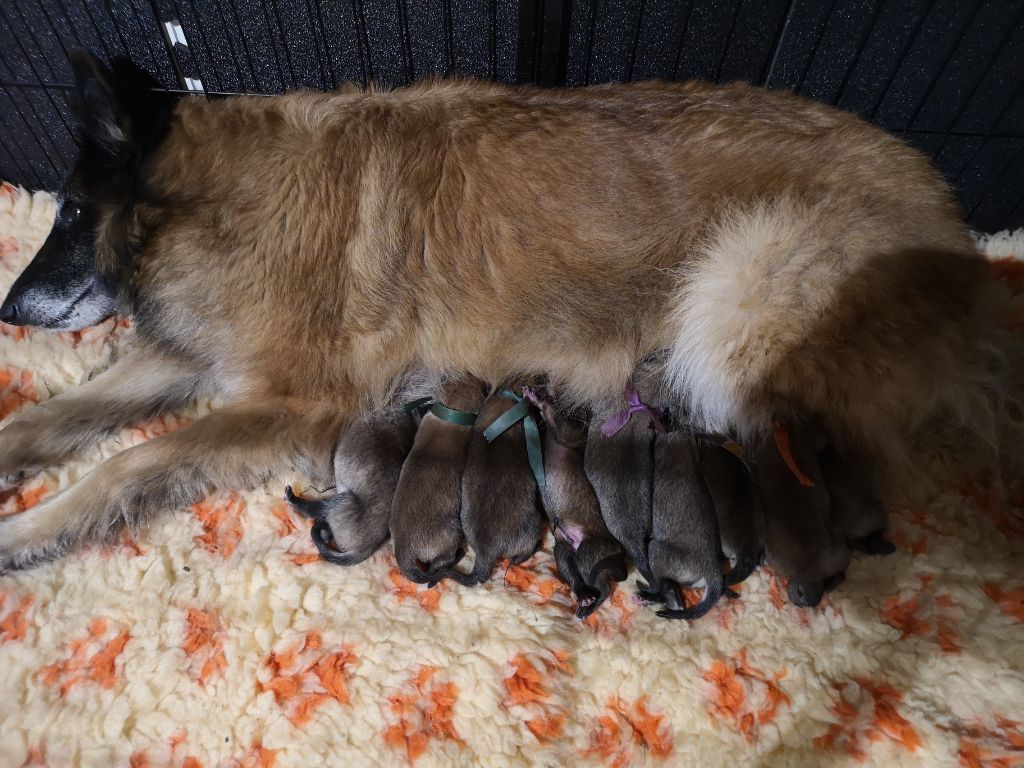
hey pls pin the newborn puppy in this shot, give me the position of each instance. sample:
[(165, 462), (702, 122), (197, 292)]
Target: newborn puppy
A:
[(425, 524), (801, 543), (620, 469), (499, 494), (684, 547), (351, 525), (856, 511), (738, 509), (589, 558)]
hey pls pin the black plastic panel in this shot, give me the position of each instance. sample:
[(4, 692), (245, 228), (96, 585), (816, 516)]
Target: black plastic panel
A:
[(947, 75)]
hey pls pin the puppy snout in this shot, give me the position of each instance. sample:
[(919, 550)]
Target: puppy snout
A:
[(805, 595)]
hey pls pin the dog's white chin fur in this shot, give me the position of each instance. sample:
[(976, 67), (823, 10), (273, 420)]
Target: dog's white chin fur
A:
[(632, 672)]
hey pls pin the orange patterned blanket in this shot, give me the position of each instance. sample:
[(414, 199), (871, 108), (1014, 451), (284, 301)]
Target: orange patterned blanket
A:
[(219, 639)]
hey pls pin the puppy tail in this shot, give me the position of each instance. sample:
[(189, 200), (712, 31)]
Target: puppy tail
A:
[(744, 566), (713, 591)]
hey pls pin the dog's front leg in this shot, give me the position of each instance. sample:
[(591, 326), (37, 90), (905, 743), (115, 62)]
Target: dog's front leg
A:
[(139, 386), (239, 446)]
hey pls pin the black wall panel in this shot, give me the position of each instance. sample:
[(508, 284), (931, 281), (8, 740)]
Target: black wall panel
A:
[(947, 75)]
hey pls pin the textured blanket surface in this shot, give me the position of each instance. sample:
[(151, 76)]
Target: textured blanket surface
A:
[(216, 638)]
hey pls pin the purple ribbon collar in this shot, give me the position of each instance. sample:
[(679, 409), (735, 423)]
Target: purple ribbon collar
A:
[(633, 405)]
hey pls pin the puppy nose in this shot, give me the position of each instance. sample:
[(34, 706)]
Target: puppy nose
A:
[(804, 595), (10, 313)]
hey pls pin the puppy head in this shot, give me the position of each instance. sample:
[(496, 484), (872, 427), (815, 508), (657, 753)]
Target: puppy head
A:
[(79, 276)]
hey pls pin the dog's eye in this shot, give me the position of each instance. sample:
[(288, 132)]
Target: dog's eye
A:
[(74, 212)]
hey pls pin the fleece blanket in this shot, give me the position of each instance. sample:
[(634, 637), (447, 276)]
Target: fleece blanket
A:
[(217, 638)]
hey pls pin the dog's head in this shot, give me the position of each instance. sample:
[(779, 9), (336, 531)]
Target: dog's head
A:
[(79, 276)]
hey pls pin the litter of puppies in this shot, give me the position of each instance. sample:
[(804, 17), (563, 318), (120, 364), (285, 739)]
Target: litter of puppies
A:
[(628, 481)]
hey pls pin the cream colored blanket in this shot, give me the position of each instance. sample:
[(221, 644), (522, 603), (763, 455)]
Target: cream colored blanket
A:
[(218, 639)]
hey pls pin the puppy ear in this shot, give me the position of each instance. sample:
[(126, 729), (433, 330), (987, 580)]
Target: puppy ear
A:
[(96, 104)]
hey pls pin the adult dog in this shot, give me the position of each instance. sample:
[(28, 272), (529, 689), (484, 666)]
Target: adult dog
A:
[(298, 254)]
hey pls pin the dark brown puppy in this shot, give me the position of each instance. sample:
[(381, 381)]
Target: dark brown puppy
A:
[(857, 511), (351, 525), (684, 547), (425, 523), (738, 509), (589, 558), (620, 469), (499, 515), (801, 543)]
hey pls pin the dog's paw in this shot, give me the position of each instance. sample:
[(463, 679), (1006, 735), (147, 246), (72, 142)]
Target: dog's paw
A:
[(26, 541)]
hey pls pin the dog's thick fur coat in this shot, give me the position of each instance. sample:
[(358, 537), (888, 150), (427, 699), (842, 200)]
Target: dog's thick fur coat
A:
[(297, 254)]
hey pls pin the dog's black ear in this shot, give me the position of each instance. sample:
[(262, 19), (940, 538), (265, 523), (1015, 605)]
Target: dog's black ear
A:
[(96, 103)]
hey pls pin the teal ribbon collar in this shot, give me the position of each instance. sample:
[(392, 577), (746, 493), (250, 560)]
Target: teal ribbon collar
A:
[(520, 412), (442, 411)]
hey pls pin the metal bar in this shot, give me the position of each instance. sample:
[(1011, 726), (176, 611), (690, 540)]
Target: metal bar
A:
[(53, 29), (273, 47), (492, 33), (636, 40), (935, 78), (284, 42), (39, 121), (231, 47), (1012, 210), (899, 64), (977, 83), (682, 37), (32, 66), (117, 30), (26, 171), (403, 29), (595, 6), (245, 44), (142, 26), (95, 26), (860, 50), (449, 39), (318, 40), (206, 46), (995, 182), (728, 40), (780, 35), (31, 130), (814, 50), (363, 41), (990, 134)]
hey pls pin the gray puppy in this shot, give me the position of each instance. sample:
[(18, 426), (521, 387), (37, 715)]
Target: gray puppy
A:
[(738, 509), (857, 511), (499, 515), (801, 543), (351, 525), (684, 547), (425, 525), (620, 468), (589, 558)]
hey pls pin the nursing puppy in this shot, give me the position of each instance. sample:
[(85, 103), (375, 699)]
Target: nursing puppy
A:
[(620, 468), (684, 547), (737, 505), (857, 511), (425, 525), (355, 522), (293, 255), (499, 514), (801, 542), (589, 558)]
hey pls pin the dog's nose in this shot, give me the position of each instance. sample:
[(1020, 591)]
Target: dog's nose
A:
[(10, 313)]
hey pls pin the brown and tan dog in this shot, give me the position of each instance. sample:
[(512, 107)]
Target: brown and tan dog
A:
[(295, 254)]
